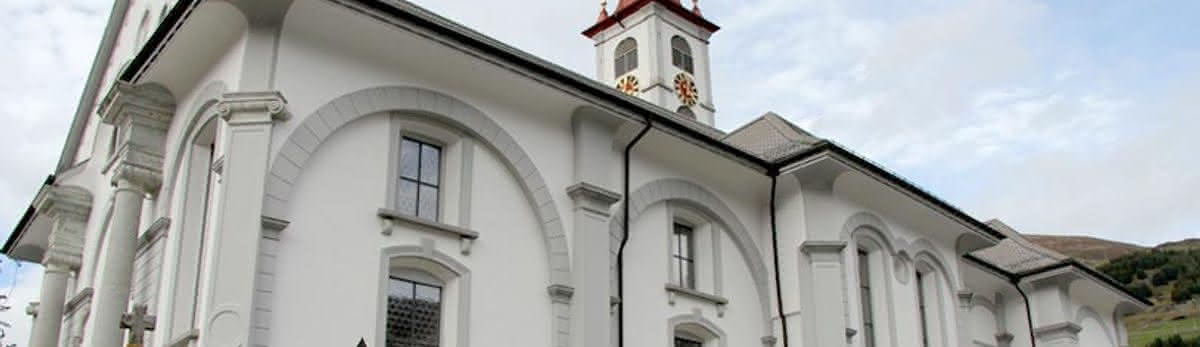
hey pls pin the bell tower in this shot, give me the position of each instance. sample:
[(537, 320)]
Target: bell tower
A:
[(657, 50)]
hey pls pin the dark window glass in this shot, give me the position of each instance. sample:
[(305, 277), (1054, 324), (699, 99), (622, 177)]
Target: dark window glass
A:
[(420, 171), (682, 342), (413, 314), (864, 285), (921, 310), (681, 54), (626, 57), (682, 256)]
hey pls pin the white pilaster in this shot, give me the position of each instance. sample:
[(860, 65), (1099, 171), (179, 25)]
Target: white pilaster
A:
[(1054, 325), (591, 312), (822, 268), (227, 294), (141, 114)]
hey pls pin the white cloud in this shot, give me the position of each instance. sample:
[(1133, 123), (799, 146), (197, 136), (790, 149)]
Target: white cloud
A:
[(25, 289)]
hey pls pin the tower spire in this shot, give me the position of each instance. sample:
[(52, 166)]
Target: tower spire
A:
[(696, 7)]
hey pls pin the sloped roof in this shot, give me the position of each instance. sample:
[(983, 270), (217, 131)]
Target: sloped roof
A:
[(771, 137), (1017, 254)]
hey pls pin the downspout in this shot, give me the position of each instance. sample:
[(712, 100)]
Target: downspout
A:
[(1028, 312), (625, 238), (1015, 280), (775, 249)]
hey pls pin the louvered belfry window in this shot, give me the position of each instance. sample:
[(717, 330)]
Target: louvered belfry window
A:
[(414, 314)]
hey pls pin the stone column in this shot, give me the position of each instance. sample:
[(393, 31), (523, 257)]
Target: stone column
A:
[(823, 270), (227, 292), (141, 115), (963, 332), (592, 246), (68, 208)]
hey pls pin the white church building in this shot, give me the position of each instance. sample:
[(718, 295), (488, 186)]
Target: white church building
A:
[(340, 173)]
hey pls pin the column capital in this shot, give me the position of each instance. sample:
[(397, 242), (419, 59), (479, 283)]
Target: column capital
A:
[(69, 202), (252, 107), (141, 113), (592, 197), (145, 103), (812, 247), (964, 298)]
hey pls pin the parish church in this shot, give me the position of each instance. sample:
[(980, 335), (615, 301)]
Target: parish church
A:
[(340, 173)]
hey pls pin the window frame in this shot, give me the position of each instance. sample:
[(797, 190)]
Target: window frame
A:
[(922, 313), (425, 264), (679, 259), (865, 295), (420, 180), (625, 57), (441, 293), (457, 165), (681, 54)]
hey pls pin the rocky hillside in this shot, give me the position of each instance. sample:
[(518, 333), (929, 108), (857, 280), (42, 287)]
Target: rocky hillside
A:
[(1090, 250)]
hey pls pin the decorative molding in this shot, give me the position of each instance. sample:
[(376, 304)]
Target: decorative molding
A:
[(274, 224), (266, 103), (157, 230), (560, 293), (674, 290), (811, 247), (186, 339), (850, 332), (1058, 330), (1004, 339), (290, 159), (392, 219), (768, 341), (593, 198), (81, 299), (964, 298)]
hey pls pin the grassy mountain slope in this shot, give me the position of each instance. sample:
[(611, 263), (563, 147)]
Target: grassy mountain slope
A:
[(1145, 270)]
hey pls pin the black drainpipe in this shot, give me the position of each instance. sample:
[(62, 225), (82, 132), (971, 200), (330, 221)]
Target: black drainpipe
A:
[(775, 249), (1015, 280), (624, 240)]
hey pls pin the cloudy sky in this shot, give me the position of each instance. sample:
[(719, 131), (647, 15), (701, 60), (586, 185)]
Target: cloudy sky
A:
[(1062, 117)]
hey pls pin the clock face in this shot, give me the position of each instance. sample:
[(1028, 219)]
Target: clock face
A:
[(685, 89), (628, 85)]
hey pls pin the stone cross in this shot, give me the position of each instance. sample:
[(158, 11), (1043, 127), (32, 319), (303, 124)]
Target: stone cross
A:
[(138, 323)]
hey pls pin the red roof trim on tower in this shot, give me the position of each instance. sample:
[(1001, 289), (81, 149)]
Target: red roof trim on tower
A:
[(628, 7)]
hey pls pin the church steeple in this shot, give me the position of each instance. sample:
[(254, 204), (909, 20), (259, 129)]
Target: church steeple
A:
[(657, 50)]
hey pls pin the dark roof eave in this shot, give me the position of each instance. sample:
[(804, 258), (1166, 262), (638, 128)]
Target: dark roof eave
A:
[(19, 229), (1100, 277), (179, 13)]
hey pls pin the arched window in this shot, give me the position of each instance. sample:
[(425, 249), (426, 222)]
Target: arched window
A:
[(865, 298), (423, 299), (930, 298), (414, 308), (626, 57), (681, 54), (695, 331), (686, 112)]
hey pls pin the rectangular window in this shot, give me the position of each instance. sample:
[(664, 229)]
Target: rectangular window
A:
[(682, 257), (420, 174), (682, 342), (413, 314), (921, 310), (864, 286)]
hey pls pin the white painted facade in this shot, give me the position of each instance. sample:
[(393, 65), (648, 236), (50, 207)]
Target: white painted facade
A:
[(250, 199)]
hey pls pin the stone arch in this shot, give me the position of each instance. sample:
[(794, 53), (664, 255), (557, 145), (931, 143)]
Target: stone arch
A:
[(923, 252), (199, 113), (428, 253), (869, 227), (1120, 333), (1086, 312), (695, 320), (705, 202), (316, 127)]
